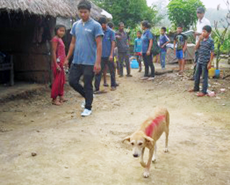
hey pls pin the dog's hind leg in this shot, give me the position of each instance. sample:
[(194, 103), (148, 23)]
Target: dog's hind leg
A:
[(166, 140), (155, 153)]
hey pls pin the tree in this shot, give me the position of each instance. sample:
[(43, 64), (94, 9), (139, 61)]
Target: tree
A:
[(131, 12), (183, 12), (221, 34)]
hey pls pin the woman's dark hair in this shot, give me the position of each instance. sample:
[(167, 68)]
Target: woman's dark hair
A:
[(84, 4), (58, 26), (207, 28), (163, 28), (146, 24), (139, 32), (110, 24)]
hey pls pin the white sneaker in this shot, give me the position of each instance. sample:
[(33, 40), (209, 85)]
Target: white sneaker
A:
[(151, 78), (83, 104), (144, 78), (86, 113)]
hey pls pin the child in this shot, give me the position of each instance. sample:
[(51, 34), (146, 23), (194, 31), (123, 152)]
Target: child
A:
[(58, 59), (205, 47), (180, 41), (164, 40), (137, 49)]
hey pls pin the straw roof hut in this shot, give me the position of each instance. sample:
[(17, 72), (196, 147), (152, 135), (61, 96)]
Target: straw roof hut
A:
[(27, 27), (54, 8)]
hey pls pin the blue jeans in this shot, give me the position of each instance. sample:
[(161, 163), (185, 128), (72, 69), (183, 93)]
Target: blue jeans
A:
[(162, 58), (201, 68)]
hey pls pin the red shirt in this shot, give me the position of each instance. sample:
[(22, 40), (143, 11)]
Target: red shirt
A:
[(60, 53)]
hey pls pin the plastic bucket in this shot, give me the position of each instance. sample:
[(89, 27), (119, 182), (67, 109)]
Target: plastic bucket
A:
[(134, 64), (211, 72), (217, 73)]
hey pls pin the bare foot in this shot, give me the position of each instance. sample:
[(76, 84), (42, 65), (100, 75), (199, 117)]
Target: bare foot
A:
[(56, 102), (62, 99)]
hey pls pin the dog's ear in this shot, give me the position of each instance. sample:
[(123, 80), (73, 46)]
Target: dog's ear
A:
[(148, 139), (126, 139)]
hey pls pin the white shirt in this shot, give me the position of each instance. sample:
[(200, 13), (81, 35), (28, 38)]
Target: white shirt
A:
[(200, 24)]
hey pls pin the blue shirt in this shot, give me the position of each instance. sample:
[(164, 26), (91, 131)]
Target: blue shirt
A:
[(109, 37), (204, 50), (86, 47), (146, 37), (137, 45), (163, 40)]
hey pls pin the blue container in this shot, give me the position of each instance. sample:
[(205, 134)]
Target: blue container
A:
[(217, 73), (134, 64)]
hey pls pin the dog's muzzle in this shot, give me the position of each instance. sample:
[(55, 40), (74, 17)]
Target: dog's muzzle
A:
[(135, 155)]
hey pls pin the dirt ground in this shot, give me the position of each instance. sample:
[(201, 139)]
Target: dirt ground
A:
[(74, 150)]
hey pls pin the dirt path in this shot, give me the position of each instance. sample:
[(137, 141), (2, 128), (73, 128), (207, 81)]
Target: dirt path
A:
[(75, 150)]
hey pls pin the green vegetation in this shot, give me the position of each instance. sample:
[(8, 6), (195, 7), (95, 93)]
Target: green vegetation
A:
[(131, 12), (183, 12)]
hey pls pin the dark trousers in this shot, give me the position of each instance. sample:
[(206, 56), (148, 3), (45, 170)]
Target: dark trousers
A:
[(195, 60), (139, 61), (121, 58), (76, 71), (104, 62), (148, 61), (201, 68)]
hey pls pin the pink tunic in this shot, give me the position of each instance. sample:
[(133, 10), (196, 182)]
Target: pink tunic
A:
[(59, 76)]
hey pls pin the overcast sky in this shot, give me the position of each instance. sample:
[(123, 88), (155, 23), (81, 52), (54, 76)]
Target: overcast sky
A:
[(207, 3)]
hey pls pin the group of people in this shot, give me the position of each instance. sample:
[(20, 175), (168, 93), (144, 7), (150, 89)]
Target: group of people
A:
[(93, 49)]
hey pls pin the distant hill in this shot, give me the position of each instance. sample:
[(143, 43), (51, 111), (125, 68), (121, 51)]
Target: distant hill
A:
[(211, 14), (215, 15)]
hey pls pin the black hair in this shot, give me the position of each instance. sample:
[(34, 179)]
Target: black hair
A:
[(139, 32), (180, 26), (120, 23), (84, 4), (58, 26), (163, 28), (207, 28), (146, 24), (110, 24), (102, 20)]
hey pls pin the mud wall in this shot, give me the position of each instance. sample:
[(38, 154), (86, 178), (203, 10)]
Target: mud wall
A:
[(27, 37)]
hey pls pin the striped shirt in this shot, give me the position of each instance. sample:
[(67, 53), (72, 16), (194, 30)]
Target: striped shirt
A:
[(204, 50)]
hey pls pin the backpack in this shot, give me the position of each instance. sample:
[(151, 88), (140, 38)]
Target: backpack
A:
[(155, 48)]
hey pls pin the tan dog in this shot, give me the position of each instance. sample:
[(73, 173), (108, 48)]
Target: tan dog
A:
[(149, 132)]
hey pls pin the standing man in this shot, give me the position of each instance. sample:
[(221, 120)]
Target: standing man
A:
[(108, 45), (123, 50), (87, 47), (202, 21)]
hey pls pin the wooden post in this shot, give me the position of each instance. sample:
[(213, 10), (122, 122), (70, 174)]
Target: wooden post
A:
[(11, 70)]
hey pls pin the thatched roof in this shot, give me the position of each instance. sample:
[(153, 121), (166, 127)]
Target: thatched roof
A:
[(54, 8)]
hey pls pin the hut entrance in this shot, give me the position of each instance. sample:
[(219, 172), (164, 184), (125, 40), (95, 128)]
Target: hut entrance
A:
[(25, 47)]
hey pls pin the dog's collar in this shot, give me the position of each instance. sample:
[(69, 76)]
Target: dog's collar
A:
[(155, 122)]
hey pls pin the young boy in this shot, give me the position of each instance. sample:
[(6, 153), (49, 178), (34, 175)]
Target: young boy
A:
[(205, 47), (164, 40), (137, 49), (180, 41), (86, 48)]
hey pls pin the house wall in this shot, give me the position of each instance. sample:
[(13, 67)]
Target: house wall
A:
[(27, 38)]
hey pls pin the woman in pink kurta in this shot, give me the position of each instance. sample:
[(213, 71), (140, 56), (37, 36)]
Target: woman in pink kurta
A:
[(58, 59)]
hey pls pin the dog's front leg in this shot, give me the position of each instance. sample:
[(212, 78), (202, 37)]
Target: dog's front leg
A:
[(143, 164), (146, 171)]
